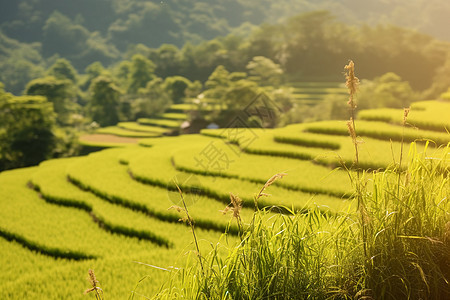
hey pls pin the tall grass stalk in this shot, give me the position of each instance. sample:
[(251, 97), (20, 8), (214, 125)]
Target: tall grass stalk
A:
[(405, 117), (352, 84), (190, 222), (236, 206), (98, 292)]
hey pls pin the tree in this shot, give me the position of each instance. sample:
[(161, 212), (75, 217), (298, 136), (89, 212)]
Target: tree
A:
[(176, 86), (19, 63), (194, 89), (265, 71), (217, 83), (239, 94), (60, 92), (68, 38), (63, 36), (92, 71), (441, 81), (121, 73), (141, 72), (63, 69), (283, 98), (152, 100), (103, 107), (388, 90), (168, 58), (26, 134)]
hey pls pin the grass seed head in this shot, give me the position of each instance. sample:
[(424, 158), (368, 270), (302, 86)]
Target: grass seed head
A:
[(93, 282), (236, 204), (177, 208), (405, 114), (273, 179), (226, 210), (92, 279), (352, 82), (351, 130)]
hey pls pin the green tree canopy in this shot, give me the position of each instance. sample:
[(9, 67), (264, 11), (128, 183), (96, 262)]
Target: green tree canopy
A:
[(265, 71), (141, 72), (152, 100), (217, 83), (63, 69), (176, 86), (63, 36), (441, 81), (91, 72), (388, 90), (19, 63), (103, 107), (168, 58), (26, 136), (60, 92)]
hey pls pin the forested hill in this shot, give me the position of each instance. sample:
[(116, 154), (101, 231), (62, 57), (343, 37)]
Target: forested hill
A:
[(34, 33), (120, 22)]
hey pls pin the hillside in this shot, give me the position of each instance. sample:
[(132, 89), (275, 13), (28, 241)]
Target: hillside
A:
[(110, 209), (177, 21), (406, 38)]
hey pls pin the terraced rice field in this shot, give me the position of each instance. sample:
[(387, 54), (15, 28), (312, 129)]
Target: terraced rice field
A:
[(431, 115), (111, 209), (312, 93), (129, 132), (164, 123)]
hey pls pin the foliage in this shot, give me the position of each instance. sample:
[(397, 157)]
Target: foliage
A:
[(446, 96), (62, 69), (26, 135), (60, 92), (307, 47), (385, 91), (441, 81), (152, 100), (66, 37), (103, 105), (169, 59), (19, 63), (141, 72), (91, 72), (265, 71), (235, 92), (177, 87)]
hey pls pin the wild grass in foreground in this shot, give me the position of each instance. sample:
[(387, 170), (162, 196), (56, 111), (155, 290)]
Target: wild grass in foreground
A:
[(403, 254)]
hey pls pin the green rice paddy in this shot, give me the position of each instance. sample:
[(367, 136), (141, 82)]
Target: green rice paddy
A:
[(113, 208)]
